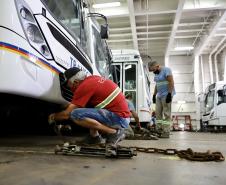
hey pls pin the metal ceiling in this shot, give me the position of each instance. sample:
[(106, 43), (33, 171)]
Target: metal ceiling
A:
[(156, 27)]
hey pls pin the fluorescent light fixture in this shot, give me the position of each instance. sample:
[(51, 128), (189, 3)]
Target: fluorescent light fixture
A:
[(107, 5), (183, 48), (128, 66), (181, 102)]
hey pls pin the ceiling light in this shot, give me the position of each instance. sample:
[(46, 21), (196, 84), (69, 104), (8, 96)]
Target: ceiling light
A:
[(107, 5), (183, 48), (128, 66)]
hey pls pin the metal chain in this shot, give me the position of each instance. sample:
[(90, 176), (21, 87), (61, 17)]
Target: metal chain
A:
[(188, 154)]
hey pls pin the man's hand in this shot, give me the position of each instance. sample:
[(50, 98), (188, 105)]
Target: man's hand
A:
[(154, 98), (168, 98)]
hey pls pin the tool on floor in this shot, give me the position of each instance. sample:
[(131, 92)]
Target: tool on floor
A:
[(108, 151), (95, 150)]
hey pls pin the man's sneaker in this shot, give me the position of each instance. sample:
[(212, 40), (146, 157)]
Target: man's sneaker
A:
[(89, 140), (113, 139)]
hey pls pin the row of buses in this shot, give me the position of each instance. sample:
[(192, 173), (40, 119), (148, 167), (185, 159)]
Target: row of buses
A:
[(40, 39)]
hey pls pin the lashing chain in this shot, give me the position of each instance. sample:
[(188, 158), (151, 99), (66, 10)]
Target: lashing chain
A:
[(188, 154)]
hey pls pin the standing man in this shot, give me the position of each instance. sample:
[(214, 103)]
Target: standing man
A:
[(97, 104), (163, 94)]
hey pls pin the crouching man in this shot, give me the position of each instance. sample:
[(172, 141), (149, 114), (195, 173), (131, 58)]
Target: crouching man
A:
[(97, 104)]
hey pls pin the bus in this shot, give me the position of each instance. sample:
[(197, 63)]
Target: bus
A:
[(39, 40), (132, 77), (214, 106)]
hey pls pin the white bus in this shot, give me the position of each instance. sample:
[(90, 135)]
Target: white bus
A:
[(39, 40), (132, 77), (214, 103)]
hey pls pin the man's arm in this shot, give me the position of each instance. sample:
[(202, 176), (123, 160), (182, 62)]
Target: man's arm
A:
[(135, 115), (171, 83), (63, 115)]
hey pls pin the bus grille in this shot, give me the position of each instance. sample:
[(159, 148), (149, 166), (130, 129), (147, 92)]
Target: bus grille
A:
[(65, 91)]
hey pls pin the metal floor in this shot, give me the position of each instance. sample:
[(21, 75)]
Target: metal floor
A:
[(40, 166)]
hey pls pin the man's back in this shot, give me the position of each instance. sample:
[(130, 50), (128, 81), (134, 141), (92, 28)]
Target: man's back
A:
[(94, 90)]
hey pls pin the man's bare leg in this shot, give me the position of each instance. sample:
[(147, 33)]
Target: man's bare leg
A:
[(95, 125)]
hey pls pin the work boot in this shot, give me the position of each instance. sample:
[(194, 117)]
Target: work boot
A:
[(89, 140), (165, 131), (113, 139)]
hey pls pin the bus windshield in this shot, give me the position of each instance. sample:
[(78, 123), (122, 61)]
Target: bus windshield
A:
[(67, 12)]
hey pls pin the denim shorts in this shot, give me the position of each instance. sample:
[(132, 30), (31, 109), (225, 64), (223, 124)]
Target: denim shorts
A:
[(103, 116)]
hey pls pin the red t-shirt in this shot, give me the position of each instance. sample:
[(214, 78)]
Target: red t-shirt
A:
[(94, 89)]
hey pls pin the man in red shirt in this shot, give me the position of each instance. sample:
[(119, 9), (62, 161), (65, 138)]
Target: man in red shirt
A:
[(97, 104)]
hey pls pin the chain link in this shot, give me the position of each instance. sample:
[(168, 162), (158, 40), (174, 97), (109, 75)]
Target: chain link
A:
[(188, 154)]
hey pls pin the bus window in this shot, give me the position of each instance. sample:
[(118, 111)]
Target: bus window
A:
[(116, 74), (209, 101), (221, 97), (100, 54), (133, 95), (130, 76), (130, 82)]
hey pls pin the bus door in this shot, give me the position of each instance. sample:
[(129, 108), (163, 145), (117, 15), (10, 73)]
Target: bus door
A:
[(125, 76), (130, 82)]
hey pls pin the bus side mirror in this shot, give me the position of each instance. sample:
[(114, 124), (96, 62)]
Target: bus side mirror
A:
[(104, 31)]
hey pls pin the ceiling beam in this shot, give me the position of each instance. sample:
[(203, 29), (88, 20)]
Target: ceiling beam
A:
[(166, 32), (120, 29), (120, 40), (175, 26), (152, 38), (212, 32), (132, 23), (120, 35), (148, 12), (153, 32), (159, 26)]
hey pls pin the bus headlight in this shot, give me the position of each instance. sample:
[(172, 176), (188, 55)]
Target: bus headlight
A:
[(34, 34), (45, 50), (31, 29), (26, 14)]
